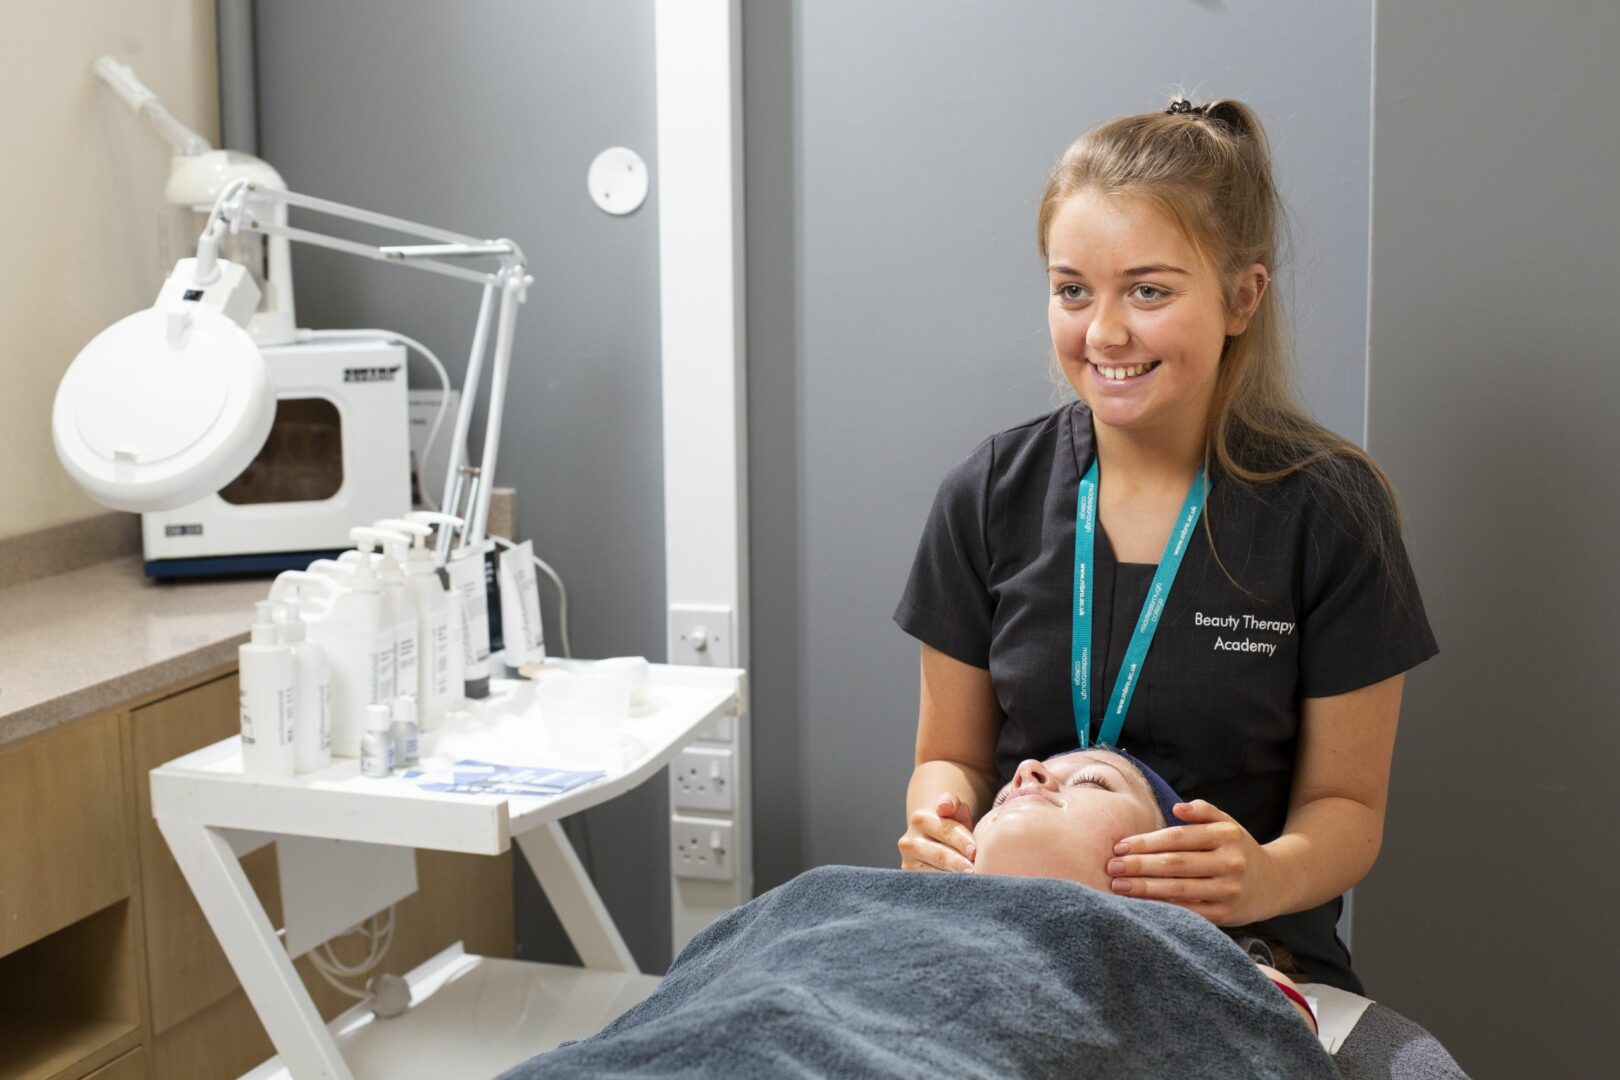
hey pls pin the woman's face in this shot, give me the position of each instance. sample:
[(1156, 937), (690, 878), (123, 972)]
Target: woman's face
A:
[(1138, 321), (1062, 817)]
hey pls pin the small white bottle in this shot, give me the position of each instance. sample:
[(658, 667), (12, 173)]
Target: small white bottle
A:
[(376, 746), (406, 735), (266, 696), (312, 712)]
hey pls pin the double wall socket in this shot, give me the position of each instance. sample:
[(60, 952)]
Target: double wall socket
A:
[(702, 848), (701, 778)]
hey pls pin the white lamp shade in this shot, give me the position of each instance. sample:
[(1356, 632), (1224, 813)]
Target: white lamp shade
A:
[(162, 408)]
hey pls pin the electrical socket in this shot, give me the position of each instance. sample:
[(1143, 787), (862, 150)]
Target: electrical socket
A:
[(701, 778), (701, 848)]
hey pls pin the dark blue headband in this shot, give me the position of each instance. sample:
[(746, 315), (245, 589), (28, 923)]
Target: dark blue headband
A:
[(1163, 793)]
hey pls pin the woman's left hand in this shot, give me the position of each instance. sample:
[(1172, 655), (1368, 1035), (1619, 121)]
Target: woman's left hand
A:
[(1210, 865)]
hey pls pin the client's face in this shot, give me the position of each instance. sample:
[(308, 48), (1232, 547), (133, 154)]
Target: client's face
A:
[(1062, 817)]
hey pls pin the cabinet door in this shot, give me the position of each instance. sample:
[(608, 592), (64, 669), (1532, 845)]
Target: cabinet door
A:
[(64, 828), (186, 969)]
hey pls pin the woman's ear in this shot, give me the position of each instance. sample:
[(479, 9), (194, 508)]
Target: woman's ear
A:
[(1251, 286)]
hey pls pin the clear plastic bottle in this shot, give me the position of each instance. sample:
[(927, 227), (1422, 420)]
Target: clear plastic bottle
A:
[(377, 746), (406, 735)]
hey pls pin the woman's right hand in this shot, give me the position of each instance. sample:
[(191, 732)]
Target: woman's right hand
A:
[(939, 837)]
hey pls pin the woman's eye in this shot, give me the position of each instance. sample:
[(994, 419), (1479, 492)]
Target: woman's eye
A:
[(1089, 778), (1150, 292), (1070, 291)]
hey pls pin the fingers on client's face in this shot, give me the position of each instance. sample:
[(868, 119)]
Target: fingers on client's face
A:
[(1061, 817)]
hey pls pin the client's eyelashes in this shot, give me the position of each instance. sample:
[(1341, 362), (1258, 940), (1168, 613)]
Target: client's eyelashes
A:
[(1084, 776), (1088, 777)]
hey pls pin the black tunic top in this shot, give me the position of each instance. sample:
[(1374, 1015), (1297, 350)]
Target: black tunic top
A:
[(1313, 612)]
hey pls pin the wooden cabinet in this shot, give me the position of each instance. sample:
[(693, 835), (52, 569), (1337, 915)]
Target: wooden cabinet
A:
[(70, 997), (64, 850), (107, 967)]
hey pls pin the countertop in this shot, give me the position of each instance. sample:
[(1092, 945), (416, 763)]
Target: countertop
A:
[(73, 643)]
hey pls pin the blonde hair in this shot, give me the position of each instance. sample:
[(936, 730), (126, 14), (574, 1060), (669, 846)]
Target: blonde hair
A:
[(1208, 168)]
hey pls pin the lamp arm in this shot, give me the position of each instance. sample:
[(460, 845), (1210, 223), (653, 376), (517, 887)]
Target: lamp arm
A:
[(513, 290), (237, 205), (469, 393), (206, 270), (237, 208)]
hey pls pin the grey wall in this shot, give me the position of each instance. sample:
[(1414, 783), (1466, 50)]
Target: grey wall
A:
[(894, 157), (896, 154), (482, 117), (1493, 387)]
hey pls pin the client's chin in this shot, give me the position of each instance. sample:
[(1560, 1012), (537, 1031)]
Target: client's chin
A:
[(1024, 845)]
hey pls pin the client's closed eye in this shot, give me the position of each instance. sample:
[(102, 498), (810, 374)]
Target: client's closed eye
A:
[(1087, 776)]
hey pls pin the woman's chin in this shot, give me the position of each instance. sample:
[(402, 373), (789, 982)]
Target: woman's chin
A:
[(992, 858)]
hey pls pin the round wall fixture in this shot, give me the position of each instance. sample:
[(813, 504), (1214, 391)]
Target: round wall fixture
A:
[(617, 180)]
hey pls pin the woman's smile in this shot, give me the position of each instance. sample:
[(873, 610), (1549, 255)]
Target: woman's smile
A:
[(1112, 376)]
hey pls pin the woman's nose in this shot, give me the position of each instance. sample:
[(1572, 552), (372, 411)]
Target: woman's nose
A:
[(1106, 330), (1032, 773)]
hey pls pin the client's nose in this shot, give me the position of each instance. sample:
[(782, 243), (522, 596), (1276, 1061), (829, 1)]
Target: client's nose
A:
[(1032, 773)]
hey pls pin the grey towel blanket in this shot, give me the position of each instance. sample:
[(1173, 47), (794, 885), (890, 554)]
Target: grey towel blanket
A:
[(852, 972)]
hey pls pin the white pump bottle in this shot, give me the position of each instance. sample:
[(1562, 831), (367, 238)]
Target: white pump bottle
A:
[(454, 600), (312, 673), (358, 637), (400, 603), (267, 699), (439, 662), (467, 567)]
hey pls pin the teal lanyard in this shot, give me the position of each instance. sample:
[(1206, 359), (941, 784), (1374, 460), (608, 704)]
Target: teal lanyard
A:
[(1085, 536)]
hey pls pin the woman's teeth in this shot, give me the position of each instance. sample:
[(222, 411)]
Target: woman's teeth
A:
[(1118, 372)]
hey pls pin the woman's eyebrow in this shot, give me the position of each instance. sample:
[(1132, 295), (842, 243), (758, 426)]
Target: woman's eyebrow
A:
[(1135, 271)]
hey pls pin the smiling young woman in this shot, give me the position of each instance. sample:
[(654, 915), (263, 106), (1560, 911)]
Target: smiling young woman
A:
[(1182, 563)]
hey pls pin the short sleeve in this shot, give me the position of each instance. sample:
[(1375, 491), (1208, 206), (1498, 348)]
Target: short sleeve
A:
[(1362, 619), (947, 602)]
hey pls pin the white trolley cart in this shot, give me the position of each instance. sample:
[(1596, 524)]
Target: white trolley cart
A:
[(471, 1015)]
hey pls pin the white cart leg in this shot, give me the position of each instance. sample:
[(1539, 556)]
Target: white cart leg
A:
[(238, 920), (580, 910)]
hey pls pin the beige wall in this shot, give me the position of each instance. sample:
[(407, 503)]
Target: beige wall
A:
[(81, 207)]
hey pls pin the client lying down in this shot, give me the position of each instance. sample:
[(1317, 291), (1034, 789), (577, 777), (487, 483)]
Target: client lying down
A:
[(1026, 967)]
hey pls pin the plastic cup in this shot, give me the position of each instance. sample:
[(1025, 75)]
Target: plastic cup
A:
[(633, 671)]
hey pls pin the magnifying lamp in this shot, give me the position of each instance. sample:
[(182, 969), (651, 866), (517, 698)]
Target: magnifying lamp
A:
[(170, 404)]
